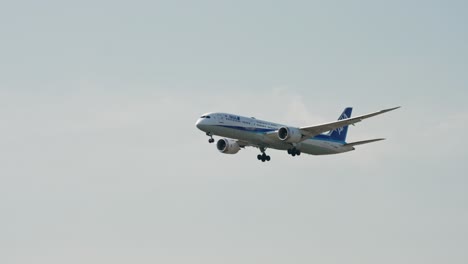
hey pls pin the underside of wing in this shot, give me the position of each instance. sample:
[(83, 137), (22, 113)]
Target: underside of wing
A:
[(244, 144), (319, 129)]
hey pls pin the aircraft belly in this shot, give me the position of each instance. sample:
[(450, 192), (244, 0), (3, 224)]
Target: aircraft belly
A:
[(319, 147), (249, 136), (310, 146)]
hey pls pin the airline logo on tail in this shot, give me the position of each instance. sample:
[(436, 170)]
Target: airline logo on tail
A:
[(339, 130)]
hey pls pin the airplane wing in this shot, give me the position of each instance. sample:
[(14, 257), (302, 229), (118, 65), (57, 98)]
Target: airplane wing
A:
[(244, 144), (311, 131)]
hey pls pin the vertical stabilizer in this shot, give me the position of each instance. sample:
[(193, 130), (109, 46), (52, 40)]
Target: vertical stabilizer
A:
[(340, 133)]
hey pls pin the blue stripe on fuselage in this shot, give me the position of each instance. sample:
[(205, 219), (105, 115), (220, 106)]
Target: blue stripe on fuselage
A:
[(325, 137), (322, 137), (250, 129)]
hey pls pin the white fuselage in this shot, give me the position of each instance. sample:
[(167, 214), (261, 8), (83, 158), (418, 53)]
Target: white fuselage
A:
[(259, 133)]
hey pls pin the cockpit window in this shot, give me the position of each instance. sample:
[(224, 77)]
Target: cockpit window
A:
[(205, 117)]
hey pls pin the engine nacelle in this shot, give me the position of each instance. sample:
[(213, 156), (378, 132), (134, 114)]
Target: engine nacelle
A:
[(290, 134), (227, 146)]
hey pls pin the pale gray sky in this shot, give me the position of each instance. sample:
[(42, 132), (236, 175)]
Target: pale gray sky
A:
[(100, 160)]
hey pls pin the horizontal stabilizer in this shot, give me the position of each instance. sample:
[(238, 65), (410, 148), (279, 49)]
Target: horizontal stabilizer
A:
[(363, 142)]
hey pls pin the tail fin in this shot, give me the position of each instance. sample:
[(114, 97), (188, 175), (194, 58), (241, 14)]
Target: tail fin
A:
[(340, 133)]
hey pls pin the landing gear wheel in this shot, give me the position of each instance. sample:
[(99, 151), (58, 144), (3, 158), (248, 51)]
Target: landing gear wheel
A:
[(294, 151), (263, 157), (211, 140)]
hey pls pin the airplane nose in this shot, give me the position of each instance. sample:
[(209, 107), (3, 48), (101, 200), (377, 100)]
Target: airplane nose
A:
[(198, 124)]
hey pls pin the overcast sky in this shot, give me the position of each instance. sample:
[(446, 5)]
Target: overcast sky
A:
[(101, 162)]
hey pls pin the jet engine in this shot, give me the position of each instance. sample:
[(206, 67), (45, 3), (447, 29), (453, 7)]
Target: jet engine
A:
[(227, 146), (290, 134)]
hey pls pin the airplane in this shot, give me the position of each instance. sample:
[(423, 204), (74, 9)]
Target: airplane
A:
[(238, 132)]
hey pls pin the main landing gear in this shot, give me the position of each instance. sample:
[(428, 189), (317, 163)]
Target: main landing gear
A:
[(263, 157), (211, 140), (294, 151)]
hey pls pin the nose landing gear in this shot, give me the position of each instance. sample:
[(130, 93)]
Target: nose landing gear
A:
[(211, 140)]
